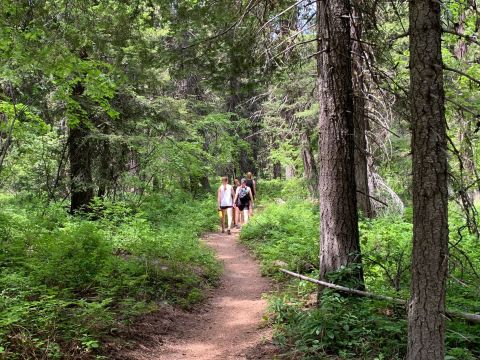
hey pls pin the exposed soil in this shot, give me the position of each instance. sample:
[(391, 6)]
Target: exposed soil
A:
[(228, 326)]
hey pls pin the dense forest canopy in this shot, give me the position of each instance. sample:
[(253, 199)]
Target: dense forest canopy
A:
[(117, 119)]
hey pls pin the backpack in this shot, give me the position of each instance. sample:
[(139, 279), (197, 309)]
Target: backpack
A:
[(243, 195)]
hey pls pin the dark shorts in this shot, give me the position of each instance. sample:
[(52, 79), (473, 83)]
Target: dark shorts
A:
[(225, 207), (242, 207)]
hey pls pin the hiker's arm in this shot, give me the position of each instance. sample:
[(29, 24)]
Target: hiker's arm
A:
[(218, 197), (251, 197), (255, 187), (233, 197)]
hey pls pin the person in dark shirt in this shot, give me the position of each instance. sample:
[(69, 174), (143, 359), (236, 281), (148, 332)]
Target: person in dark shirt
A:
[(236, 213), (243, 200), (253, 188)]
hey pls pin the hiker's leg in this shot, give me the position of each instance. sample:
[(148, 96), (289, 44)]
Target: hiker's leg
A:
[(229, 218), (245, 215), (238, 214), (222, 220)]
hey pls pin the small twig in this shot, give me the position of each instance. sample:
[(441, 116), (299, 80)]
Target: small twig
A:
[(281, 13), (372, 197), (464, 36), (471, 78)]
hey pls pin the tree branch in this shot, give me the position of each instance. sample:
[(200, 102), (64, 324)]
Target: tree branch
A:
[(471, 78), (469, 38), (473, 318)]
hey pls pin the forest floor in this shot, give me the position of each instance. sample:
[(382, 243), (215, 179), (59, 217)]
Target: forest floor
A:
[(229, 325)]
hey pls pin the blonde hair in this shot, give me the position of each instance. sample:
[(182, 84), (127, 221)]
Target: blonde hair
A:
[(249, 175), (225, 178)]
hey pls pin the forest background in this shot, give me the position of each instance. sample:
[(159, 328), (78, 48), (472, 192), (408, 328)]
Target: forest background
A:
[(117, 119)]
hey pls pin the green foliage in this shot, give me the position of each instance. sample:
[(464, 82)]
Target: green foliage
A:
[(348, 327), (386, 247), (66, 281), (285, 234), (281, 190)]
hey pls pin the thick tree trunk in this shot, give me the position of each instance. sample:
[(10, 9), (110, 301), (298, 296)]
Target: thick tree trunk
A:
[(205, 183), (339, 238), (81, 190), (360, 120), (79, 154), (106, 169), (277, 170), (289, 172), (310, 172), (426, 313)]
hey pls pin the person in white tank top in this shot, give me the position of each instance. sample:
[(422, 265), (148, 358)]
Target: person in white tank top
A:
[(225, 197)]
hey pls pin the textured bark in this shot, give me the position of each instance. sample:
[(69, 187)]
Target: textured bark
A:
[(360, 120), (339, 238), (106, 168), (310, 172), (426, 313), (79, 153), (205, 183), (289, 172), (277, 170)]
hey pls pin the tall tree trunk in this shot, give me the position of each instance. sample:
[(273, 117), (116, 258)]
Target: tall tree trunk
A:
[(339, 238), (277, 170), (426, 318), (359, 119), (205, 183), (105, 171), (79, 153), (310, 172)]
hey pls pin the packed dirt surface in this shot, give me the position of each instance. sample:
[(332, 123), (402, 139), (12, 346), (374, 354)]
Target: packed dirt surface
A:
[(230, 325)]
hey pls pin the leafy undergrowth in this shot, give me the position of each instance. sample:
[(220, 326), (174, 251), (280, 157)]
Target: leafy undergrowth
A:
[(285, 234), (69, 281)]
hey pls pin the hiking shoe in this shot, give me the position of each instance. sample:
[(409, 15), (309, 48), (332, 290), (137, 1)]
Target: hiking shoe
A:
[(223, 230), (228, 232)]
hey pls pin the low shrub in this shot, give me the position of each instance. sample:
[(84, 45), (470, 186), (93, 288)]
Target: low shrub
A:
[(285, 234), (68, 281), (349, 327)]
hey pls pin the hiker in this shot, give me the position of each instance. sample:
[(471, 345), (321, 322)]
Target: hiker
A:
[(225, 197), (243, 199), (236, 212), (253, 188)]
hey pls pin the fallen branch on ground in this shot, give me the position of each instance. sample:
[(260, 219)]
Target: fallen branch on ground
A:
[(473, 318)]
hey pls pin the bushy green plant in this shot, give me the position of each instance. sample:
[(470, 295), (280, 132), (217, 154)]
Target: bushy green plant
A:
[(386, 247), (292, 189), (270, 189), (66, 281), (349, 327), (284, 233)]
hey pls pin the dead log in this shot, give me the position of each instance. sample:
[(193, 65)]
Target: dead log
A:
[(472, 318)]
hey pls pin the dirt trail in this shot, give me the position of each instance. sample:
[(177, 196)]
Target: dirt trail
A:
[(231, 325)]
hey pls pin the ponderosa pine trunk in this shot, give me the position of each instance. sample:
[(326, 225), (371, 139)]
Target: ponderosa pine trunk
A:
[(359, 119), (310, 172), (79, 154), (339, 237), (426, 313), (277, 170)]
